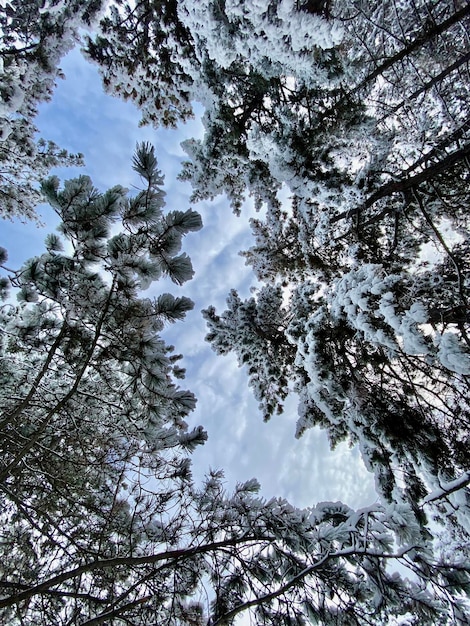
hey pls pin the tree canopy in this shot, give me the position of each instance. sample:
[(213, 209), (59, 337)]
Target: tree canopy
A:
[(360, 111)]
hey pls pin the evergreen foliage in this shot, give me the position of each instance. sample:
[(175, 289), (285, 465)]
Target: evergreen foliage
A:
[(375, 154), (100, 519), (361, 110), (143, 51)]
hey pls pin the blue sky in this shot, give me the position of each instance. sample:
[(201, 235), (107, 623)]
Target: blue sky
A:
[(83, 119)]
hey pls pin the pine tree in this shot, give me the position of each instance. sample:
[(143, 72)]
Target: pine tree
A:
[(374, 152), (34, 36), (145, 54), (87, 383), (361, 110)]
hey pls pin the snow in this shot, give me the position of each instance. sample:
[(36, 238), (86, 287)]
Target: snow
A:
[(447, 488), (275, 38), (451, 353)]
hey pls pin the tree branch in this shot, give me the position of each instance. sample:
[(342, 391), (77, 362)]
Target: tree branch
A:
[(46, 420), (429, 84), (424, 37), (50, 355), (405, 184), (175, 555), (448, 488), (301, 575), (99, 619)]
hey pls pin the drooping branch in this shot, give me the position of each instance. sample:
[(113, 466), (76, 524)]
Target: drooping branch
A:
[(447, 489), (57, 593)]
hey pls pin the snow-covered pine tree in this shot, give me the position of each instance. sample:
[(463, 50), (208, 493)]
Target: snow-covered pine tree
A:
[(228, 57), (34, 36), (351, 105), (145, 54), (374, 335), (88, 395), (361, 110)]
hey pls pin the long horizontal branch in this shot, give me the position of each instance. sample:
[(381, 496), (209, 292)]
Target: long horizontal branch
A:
[(175, 555), (56, 593), (17, 51)]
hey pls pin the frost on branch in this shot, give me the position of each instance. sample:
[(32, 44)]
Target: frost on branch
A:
[(34, 36), (369, 255), (254, 330)]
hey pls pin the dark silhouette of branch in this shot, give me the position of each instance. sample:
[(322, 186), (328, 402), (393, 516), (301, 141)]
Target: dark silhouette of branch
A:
[(405, 184), (53, 592), (99, 619), (17, 51), (421, 39), (435, 80), (303, 574), (439, 147), (63, 402), (173, 555)]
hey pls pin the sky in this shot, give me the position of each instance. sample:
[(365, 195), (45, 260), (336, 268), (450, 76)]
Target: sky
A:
[(81, 118)]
